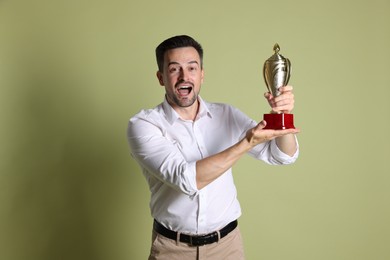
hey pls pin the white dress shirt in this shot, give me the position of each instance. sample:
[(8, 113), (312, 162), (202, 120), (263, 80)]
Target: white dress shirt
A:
[(167, 148)]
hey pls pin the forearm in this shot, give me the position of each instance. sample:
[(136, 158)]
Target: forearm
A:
[(210, 168), (287, 144)]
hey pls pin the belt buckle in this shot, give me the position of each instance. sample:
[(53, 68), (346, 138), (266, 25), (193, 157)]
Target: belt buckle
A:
[(193, 242), (202, 240)]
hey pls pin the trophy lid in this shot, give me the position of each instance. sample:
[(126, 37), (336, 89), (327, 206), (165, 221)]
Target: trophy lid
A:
[(276, 55)]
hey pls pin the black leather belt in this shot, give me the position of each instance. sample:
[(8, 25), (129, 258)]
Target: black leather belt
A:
[(195, 240)]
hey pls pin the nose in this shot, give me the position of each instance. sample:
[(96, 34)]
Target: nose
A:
[(183, 74)]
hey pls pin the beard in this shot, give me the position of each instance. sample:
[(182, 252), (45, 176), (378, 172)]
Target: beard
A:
[(183, 102)]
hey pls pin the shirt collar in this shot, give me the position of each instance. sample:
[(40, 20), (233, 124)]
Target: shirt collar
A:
[(172, 115)]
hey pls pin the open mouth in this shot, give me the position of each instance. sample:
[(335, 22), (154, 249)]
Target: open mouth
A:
[(184, 90)]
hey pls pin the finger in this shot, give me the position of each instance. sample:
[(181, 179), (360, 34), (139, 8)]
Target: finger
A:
[(287, 88), (284, 96), (283, 132), (284, 102), (283, 109), (268, 95), (269, 134), (283, 105)]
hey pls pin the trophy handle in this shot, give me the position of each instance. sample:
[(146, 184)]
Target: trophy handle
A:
[(288, 71), (265, 76)]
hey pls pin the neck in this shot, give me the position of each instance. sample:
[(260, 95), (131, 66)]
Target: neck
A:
[(188, 113)]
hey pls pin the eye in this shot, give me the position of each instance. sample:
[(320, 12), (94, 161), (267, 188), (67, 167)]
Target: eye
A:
[(173, 69), (192, 68)]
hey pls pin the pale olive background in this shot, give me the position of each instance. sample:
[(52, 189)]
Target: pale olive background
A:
[(73, 72)]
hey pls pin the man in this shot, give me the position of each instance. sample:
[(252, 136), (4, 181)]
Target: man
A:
[(186, 148)]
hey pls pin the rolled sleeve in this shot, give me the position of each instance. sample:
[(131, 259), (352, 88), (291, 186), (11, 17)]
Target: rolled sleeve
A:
[(271, 154), (159, 158), (279, 157)]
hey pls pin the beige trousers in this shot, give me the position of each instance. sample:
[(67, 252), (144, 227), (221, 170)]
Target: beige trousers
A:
[(228, 248)]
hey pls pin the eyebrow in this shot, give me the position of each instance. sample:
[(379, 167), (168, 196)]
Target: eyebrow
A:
[(177, 63)]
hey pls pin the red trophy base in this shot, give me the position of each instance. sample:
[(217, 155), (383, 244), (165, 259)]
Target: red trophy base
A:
[(279, 121)]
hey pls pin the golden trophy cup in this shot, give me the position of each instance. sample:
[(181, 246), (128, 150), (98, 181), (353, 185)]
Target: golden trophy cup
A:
[(276, 72)]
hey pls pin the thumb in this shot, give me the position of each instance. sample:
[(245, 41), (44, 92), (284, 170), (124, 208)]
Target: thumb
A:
[(262, 124)]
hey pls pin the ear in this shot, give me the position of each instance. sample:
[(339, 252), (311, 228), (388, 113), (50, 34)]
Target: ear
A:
[(202, 76), (160, 78)]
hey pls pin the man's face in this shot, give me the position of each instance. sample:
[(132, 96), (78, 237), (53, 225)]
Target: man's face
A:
[(182, 76)]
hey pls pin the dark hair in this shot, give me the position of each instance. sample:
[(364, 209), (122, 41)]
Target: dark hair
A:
[(177, 42)]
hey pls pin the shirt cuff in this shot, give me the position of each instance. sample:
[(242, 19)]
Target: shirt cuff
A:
[(192, 179)]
